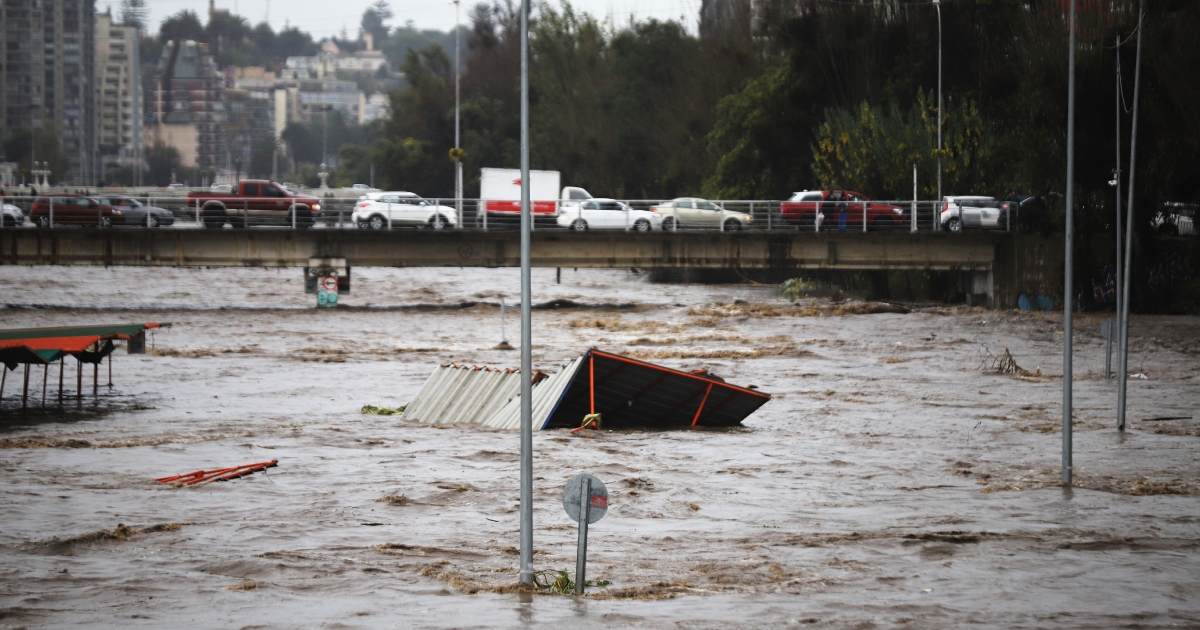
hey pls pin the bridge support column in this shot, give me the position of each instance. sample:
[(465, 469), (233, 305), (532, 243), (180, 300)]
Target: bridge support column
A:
[(979, 287)]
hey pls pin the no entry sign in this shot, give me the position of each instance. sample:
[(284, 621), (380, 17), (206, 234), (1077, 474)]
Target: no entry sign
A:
[(329, 283), (573, 495)]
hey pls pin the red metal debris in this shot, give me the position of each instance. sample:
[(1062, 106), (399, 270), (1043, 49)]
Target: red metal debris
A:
[(218, 474)]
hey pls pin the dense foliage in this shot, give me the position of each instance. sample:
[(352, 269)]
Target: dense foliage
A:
[(829, 94)]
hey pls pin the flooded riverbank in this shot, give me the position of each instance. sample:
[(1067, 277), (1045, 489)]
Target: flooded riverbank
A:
[(894, 478)]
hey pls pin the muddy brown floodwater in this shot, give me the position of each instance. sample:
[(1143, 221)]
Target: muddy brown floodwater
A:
[(896, 478)]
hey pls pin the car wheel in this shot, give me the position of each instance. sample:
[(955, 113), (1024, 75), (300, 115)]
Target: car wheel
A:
[(376, 222), (105, 222), (670, 223), (641, 225), (438, 222), (882, 224), (954, 224), (151, 221), (579, 225), (238, 224), (807, 221), (43, 221), (732, 225)]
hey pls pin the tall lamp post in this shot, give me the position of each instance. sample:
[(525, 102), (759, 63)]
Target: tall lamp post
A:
[(526, 572), (458, 178), (938, 5)]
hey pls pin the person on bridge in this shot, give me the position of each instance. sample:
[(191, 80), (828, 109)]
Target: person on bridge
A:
[(842, 210)]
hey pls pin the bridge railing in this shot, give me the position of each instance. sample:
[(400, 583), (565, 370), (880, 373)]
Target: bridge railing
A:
[(760, 215)]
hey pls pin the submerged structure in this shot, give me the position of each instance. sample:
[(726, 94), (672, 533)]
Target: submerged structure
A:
[(627, 393), (45, 346)]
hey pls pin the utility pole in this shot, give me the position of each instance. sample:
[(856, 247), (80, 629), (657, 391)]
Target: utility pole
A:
[(1123, 344), (1068, 254), (458, 178), (526, 573), (938, 5)]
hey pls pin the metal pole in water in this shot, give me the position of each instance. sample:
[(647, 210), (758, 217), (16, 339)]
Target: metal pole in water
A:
[(1068, 254), (61, 362), (585, 513), (1117, 184), (526, 571), (1123, 346)]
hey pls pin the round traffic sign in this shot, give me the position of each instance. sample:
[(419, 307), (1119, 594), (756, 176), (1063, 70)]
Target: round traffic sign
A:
[(329, 283), (598, 496)]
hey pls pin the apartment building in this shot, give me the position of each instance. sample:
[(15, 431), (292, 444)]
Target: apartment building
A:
[(118, 99), (47, 55)]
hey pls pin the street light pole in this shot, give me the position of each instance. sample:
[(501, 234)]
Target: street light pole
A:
[(938, 5), (1068, 276), (526, 573), (458, 178)]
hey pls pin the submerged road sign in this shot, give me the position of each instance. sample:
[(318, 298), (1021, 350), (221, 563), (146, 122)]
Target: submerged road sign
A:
[(586, 500)]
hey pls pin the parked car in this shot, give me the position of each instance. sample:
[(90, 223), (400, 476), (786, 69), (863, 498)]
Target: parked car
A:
[(401, 209), (607, 214), (69, 208), (221, 188), (364, 188), (1176, 218), (136, 213), (965, 211), (175, 186), (13, 216), (809, 208), (293, 187), (256, 202), (693, 212)]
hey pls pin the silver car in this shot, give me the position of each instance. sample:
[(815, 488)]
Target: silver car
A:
[(693, 212), (138, 213), (973, 212), (13, 216)]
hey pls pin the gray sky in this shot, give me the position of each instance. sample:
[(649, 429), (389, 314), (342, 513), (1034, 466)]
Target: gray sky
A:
[(322, 18)]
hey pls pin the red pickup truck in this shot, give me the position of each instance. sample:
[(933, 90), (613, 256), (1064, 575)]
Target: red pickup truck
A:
[(804, 208), (256, 202)]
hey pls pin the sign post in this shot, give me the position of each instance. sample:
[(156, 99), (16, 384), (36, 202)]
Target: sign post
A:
[(586, 500), (327, 292)]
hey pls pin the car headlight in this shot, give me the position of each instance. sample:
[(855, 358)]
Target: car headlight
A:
[(117, 212), (747, 218), (897, 211), (316, 207)]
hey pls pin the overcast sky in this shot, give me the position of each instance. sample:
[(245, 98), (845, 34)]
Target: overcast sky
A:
[(323, 18)]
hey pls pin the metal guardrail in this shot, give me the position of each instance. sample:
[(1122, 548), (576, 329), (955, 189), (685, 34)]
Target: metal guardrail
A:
[(338, 213)]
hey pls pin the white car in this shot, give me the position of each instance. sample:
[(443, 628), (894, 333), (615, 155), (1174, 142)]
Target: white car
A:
[(973, 212), (607, 214), (1175, 218), (13, 215), (379, 210)]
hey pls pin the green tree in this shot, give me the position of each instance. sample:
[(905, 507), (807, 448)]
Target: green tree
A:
[(162, 160)]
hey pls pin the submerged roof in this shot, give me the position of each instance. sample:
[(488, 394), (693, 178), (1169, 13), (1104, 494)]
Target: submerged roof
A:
[(631, 393), (626, 392), (46, 345)]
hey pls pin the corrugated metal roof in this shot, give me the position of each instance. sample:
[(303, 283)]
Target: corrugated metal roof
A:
[(546, 395), (463, 393), (627, 393)]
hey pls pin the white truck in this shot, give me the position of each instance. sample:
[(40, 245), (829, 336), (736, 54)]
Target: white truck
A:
[(500, 196)]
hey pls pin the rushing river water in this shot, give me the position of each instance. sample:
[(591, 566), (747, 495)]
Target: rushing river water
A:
[(895, 478)]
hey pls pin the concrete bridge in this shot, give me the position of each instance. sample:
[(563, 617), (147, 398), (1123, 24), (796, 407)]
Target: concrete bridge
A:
[(992, 264)]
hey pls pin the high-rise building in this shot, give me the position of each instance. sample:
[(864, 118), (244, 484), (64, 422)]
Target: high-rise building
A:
[(47, 52), (119, 105), (185, 104)]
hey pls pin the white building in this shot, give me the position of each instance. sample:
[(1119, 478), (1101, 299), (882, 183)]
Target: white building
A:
[(118, 103)]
